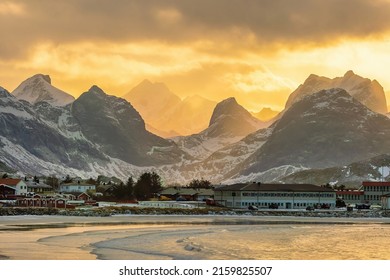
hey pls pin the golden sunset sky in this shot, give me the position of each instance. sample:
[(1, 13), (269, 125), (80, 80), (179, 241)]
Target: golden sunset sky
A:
[(256, 50)]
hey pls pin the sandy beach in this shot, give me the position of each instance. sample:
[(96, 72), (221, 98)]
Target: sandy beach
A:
[(185, 237)]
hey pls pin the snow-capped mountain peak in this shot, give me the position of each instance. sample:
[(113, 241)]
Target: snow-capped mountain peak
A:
[(4, 92), (369, 92), (38, 88)]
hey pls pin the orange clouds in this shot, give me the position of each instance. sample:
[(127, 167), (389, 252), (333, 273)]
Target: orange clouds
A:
[(10, 8), (255, 50)]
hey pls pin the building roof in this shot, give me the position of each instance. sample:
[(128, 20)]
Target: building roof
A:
[(169, 191), (234, 187), (208, 192), (9, 181), (354, 192), (77, 184), (188, 191), (105, 187), (374, 184), (275, 187), (32, 184)]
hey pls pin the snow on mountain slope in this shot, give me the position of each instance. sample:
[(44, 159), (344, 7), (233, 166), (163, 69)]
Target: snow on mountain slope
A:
[(373, 169), (229, 123), (325, 129), (368, 92), (276, 174), (117, 128), (219, 165), (38, 88), (96, 133), (27, 163)]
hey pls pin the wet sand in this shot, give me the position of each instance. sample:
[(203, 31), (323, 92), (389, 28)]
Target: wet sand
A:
[(156, 237)]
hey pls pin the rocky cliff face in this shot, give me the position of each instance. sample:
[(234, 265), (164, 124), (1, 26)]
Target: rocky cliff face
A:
[(229, 123), (369, 92), (97, 134), (118, 129), (29, 139), (327, 128)]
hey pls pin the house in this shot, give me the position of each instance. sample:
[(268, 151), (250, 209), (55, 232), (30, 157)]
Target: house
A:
[(373, 191), (105, 189), (283, 196), (172, 192), (189, 194), (351, 196), (18, 185), (7, 191), (204, 194), (77, 187), (39, 188), (42, 201)]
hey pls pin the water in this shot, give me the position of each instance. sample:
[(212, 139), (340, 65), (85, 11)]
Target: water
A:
[(217, 242)]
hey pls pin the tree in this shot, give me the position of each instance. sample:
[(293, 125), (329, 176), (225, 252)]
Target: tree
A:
[(123, 191), (147, 186), (68, 179), (91, 181), (5, 176), (52, 181), (199, 184)]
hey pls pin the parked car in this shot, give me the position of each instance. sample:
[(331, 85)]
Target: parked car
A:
[(363, 206), (252, 207), (325, 206), (310, 208), (273, 206)]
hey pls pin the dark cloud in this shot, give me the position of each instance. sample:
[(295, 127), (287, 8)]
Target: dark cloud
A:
[(269, 22)]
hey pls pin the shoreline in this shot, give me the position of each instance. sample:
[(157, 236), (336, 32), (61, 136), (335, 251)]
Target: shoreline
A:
[(87, 238), (32, 222)]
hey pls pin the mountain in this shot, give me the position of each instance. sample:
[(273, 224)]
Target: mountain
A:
[(190, 116), (229, 123), (30, 143), (151, 100), (373, 169), (166, 114), (114, 125), (368, 92), (220, 164), (96, 134), (231, 119), (39, 88), (326, 129), (265, 114)]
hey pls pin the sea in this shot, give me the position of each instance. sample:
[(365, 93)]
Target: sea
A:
[(186, 241)]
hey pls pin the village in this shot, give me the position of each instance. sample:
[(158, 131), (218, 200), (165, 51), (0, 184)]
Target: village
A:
[(147, 191)]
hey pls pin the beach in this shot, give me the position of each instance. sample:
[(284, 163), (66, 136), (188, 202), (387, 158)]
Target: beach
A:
[(143, 237)]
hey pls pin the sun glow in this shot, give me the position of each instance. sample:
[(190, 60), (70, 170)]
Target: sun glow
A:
[(193, 49)]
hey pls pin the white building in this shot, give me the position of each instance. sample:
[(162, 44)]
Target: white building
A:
[(18, 185), (284, 196), (77, 188), (373, 191)]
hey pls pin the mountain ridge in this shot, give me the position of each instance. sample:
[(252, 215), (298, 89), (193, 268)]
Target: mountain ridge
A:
[(38, 88)]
